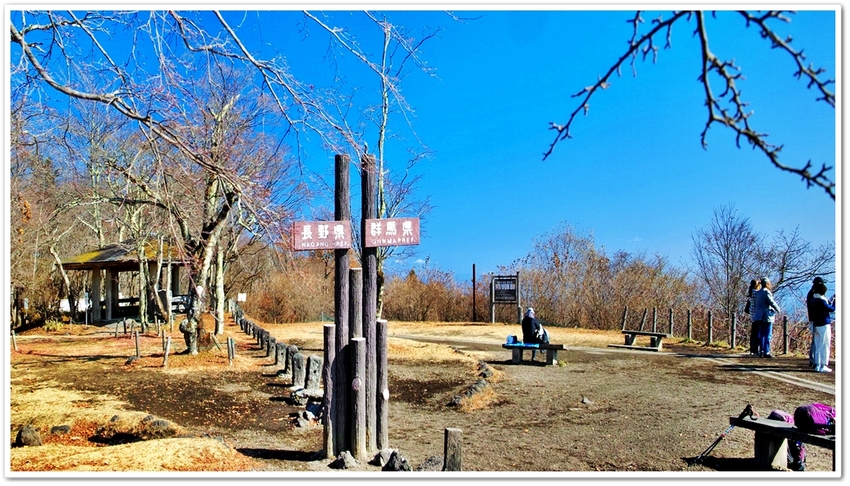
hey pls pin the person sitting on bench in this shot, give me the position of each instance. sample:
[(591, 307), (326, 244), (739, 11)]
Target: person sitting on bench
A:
[(533, 332)]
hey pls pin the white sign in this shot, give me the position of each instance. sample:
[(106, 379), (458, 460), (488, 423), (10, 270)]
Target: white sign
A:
[(241, 297)]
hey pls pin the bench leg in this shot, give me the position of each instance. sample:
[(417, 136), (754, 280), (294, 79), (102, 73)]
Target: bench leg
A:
[(551, 356), (516, 358), (771, 452), (630, 339), (655, 342)]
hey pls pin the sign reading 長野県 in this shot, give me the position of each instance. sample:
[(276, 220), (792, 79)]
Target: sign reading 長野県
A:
[(391, 232), (321, 235)]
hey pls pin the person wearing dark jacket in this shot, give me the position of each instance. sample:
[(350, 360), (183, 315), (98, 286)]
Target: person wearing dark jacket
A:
[(819, 309), (811, 292), (750, 310), (532, 331)]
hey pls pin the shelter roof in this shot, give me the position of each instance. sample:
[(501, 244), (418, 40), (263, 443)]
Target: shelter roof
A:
[(120, 256)]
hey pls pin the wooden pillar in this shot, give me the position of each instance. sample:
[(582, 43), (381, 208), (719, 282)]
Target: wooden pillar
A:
[(690, 326), (452, 450), (341, 374), (383, 391), (370, 291), (96, 284), (331, 446), (359, 448), (474, 316), (355, 306), (111, 292)]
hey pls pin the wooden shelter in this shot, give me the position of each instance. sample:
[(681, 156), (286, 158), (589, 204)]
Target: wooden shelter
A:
[(107, 263)]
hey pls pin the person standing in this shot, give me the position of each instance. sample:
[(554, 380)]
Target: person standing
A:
[(819, 309), (811, 292), (766, 309), (750, 310)]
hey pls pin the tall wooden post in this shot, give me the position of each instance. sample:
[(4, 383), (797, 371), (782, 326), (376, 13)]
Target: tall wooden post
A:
[(330, 442), (690, 326), (341, 374), (355, 304), (383, 391), (370, 291), (359, 394)]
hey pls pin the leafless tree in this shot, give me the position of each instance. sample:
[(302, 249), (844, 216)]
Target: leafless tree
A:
[(728, 108), (725, 254)]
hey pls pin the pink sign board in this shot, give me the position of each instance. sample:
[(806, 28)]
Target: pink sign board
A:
[(391, 232), (321, 235)]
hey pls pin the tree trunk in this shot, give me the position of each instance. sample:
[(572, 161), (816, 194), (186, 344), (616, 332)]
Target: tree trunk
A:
[(219, 290)]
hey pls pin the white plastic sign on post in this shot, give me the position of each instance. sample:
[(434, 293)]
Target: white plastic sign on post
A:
[(241, 297)]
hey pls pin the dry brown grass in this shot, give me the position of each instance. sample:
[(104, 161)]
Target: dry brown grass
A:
[(195, 454), (45, 403)]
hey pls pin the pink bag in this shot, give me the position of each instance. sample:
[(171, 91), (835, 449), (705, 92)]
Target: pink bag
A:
[(815, 418)]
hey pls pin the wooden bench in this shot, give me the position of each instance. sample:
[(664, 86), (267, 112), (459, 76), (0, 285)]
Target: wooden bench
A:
[(518, 347), (771, 441), (654, 340)]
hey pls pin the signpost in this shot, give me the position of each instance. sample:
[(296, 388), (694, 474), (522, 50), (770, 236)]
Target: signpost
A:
[(504, 289), (321, 235), (391, 232)]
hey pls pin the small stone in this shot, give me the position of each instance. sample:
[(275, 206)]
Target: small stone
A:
[(433, 463), (28, 436), (382, 457), (397, 462), (586, 401), (343, 461), (60, 429)]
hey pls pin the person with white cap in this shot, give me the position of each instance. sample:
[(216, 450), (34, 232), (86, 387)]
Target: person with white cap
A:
[(532, 331)]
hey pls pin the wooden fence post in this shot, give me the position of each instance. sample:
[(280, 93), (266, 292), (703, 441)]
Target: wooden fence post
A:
[(690, 326), (14, 341), (734, 330), (138, 345), (452, 450), (785, 334), (167, 349), (710, 329), (358, 398), (383, 391)]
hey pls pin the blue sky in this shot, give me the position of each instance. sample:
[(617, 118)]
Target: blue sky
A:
[(634, 174)]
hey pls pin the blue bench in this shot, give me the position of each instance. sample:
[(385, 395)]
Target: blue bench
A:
[(517, 347)]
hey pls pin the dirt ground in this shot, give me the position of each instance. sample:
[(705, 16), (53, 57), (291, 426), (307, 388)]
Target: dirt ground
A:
[(599, 409)]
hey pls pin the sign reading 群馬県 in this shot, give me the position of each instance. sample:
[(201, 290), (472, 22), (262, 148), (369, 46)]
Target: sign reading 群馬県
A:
[(321, 235), (391, 232)]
